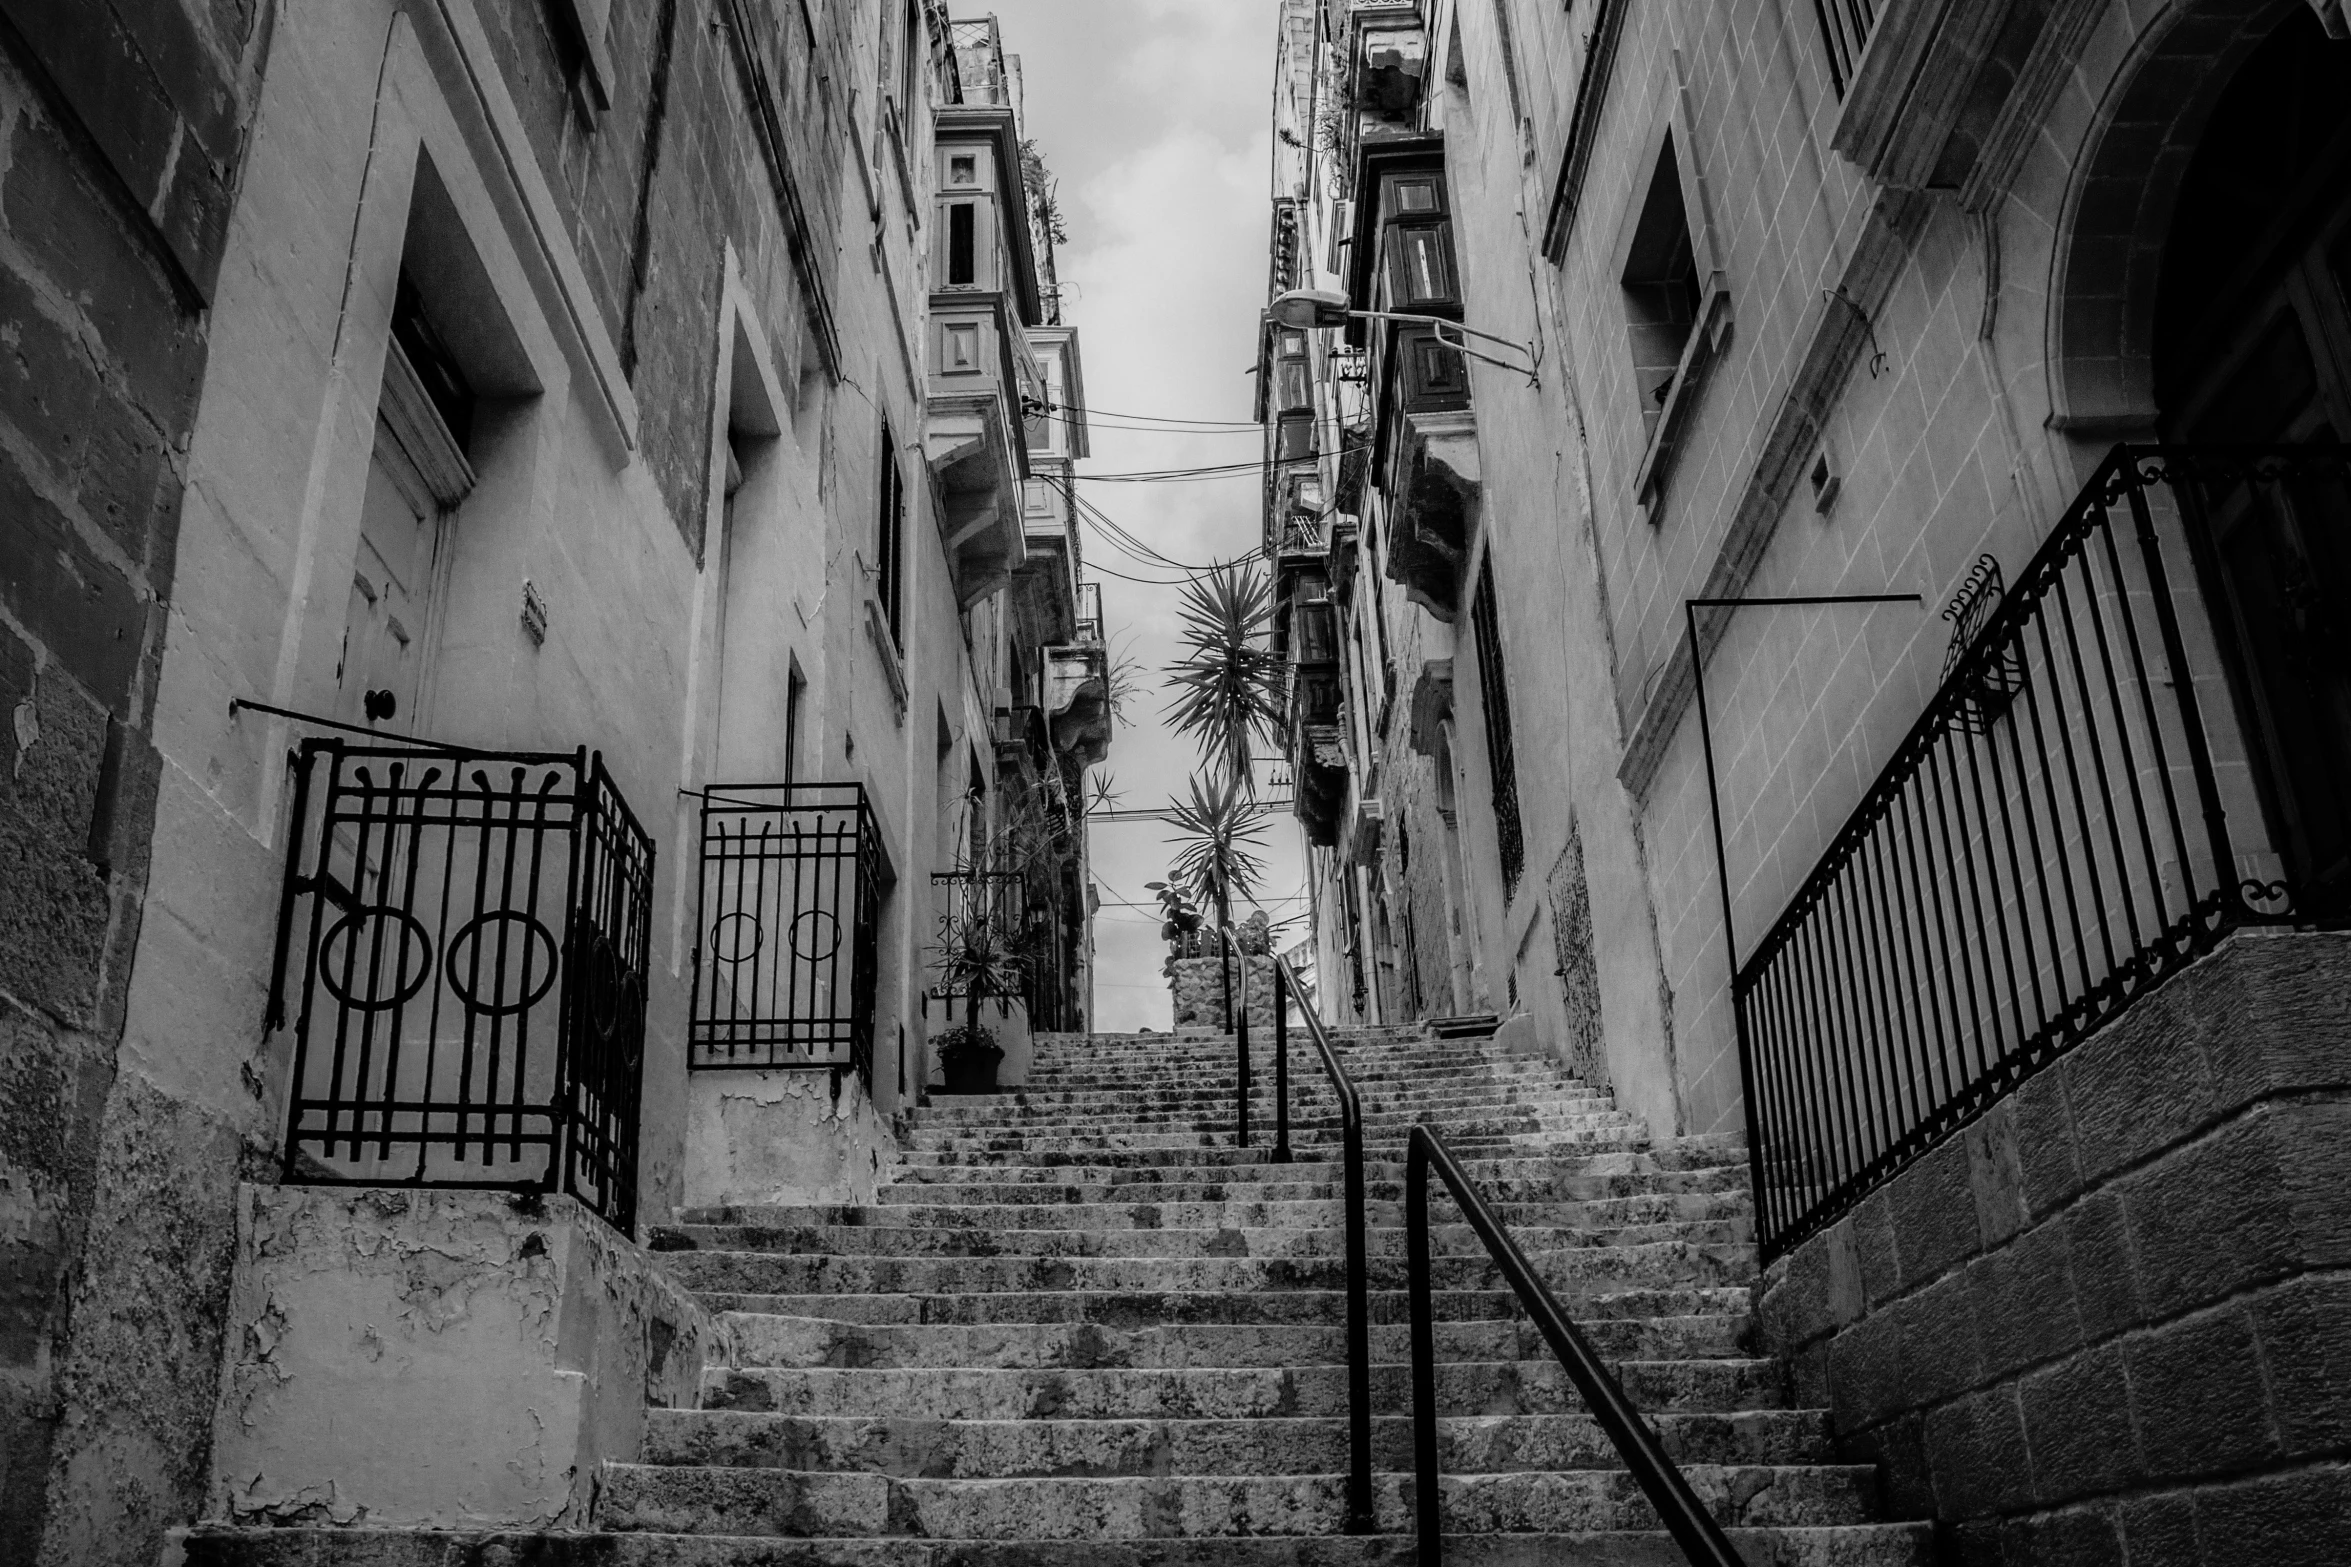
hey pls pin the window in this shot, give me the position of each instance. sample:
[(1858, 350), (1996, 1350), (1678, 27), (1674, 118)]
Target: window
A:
[(890, 541), (1419, 245), (1661, 289), (1502, 761), (962, 243), (963, 169)]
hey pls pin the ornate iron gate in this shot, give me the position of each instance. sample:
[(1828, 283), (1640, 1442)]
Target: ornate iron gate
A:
[(465, 937), (789, 913)]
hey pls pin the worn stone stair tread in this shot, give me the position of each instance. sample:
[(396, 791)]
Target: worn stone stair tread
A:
[(714, 1500), (1139, 1307), (965, 1392), (1170, 1241), (775, 1339), (1267, 1445), (1847, 1545)]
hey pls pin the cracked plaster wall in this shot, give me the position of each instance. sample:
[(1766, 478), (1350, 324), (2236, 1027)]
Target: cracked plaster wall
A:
[(755, 1138), (455, 1358)]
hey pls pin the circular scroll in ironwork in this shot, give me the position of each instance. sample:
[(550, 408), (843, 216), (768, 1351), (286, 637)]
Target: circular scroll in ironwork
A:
[(386, 949), (611, 994), (519, 968), (821, 928), (736, 936)]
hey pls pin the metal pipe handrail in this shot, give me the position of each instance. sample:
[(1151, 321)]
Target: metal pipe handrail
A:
[(1227, 950), (1685, 1517), (1285, 985)]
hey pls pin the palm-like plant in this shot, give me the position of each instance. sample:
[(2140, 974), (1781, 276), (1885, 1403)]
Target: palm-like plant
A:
[(1218, 831), (1228, 682)]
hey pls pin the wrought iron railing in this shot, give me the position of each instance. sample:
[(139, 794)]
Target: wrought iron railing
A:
[(1844, 31), (463, 937), (1685, 1518), (787, 924), (2047, 843)]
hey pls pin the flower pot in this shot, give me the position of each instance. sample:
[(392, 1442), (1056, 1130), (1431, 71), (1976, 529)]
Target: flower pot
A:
[(970, 1069)]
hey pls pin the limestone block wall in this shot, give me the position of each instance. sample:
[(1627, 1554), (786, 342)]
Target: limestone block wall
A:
[(1199, 992), (2111, 1320), (123, 126)]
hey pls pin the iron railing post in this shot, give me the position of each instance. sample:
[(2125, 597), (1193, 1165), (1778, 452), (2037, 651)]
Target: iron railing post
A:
[(1241, 1052), (1281, 1067), (1427, 1509)]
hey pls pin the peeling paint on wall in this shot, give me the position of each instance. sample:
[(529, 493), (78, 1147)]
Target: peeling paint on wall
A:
[(407, 1358)]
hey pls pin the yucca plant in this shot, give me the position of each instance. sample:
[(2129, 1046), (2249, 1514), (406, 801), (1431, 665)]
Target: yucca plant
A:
[(1218, 831), (1228, 682)]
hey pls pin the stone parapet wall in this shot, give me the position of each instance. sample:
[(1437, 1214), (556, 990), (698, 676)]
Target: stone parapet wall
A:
[(440, 1358), (2111, 1319), (1199, 992)]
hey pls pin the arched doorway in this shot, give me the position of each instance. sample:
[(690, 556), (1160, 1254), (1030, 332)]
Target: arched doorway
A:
[(2252, 347)]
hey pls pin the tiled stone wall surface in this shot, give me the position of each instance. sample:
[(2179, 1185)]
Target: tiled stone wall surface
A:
[(122, 128), (2111, 1320)]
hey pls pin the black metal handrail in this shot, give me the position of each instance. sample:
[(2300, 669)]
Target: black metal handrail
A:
[(2045, 845), (1285, 985), (1229, 950), (1685, 1517)]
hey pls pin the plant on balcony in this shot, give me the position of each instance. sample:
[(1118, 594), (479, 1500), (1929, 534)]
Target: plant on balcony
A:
[(1229, 680)]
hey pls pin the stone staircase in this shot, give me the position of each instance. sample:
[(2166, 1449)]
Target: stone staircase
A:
[(1080, 1326)]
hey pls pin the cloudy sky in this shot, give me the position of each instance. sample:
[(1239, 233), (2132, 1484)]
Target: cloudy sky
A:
[(1153, 116)]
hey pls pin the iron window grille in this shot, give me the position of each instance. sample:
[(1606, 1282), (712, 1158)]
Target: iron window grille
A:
[(2046, 845), (464, 937), (787, 922), (1501, 756)]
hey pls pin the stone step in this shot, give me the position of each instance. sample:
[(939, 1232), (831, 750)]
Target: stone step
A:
[(801, 1503), (1215, 1148), (1844, 1545), (1210, 1098), (1325, 1240), (1573, 1275), (1130, 1309), (779, 1340), (1462, 1133), (1304, 1182), (1304, 1120), (1604, 1213), (1256, 1163), (1493, 1387), (1005, 1449)]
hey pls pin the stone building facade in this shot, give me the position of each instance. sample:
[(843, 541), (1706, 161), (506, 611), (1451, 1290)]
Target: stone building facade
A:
[(1852, 306), (588, 433)]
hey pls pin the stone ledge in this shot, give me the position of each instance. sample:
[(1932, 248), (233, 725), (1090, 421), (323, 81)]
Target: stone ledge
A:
[(438, 1358)]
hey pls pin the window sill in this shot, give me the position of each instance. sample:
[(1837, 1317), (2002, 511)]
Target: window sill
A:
[(1707, 337)]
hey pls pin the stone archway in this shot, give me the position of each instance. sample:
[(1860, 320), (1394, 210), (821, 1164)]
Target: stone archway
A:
[(2118, 212)]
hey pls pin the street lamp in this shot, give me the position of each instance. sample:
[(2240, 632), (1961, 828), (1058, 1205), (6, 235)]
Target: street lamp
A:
[(1302, 308)]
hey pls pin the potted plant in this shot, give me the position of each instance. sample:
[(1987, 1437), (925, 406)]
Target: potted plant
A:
[(975, 959), (968, 1058)]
